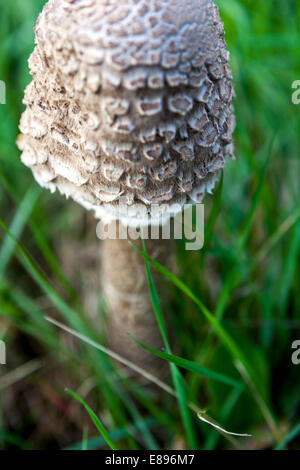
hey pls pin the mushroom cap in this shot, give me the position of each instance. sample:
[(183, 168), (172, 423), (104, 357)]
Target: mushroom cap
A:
[(130, 106)]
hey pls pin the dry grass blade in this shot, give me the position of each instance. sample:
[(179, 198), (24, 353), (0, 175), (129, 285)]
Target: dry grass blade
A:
[(200, 413), (114, 356), (212, 423), (20, 373)]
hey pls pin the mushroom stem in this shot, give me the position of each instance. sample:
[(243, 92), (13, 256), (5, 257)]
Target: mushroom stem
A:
[(126, 291)]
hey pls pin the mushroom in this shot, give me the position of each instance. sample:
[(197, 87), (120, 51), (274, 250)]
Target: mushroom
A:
[(130, 109)]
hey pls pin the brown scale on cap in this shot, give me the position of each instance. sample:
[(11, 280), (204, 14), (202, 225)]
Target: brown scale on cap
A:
[(130, 101)]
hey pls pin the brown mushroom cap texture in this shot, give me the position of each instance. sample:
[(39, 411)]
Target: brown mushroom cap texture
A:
[(130, 104)]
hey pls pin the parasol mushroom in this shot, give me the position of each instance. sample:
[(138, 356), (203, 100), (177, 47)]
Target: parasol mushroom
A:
[(130, 107)]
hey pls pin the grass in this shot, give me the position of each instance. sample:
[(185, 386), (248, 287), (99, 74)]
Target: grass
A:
[(234, 305), (101, 429)]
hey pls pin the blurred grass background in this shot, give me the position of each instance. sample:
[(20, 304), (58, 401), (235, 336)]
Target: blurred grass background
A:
[(247, 275)]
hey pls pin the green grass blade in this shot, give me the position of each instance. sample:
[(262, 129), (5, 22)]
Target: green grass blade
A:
[(17, 226), (85, 439), (248, 374), (290, 437), (278, 235), (289, 268), (176, 376), (95, 419), (117, 435), (224, 336), (192, 366), (42, 280), (256, 198), (40, 239)]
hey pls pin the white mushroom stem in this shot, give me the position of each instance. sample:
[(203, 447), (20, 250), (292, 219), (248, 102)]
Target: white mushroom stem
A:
[(130, 309)]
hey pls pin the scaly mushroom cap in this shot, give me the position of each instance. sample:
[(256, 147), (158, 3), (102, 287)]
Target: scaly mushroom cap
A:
[(130, 104)]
